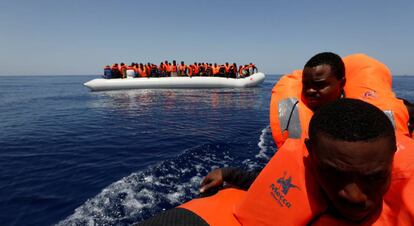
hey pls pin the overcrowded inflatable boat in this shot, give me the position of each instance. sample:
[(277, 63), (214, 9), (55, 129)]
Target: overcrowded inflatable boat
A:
[(101, 84)]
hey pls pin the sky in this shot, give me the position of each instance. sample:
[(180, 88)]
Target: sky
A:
[(79, 37)]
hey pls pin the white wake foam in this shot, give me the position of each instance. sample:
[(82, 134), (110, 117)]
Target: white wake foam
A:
[(266, 150), (143, 194)]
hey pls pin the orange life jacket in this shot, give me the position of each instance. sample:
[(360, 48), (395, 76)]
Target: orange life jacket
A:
[(142, 72), (267, 202), (174, 68), (190, 70), (196, 69), (279, 195), (227, 68), (167, 68), (122, 67), (241, 71), (285, 193), (147, 68), (216, 70), (161, 68), (182, 69), (285, 105), (366, 79)]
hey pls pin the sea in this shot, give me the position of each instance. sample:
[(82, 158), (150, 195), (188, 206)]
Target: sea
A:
[(69, 156)]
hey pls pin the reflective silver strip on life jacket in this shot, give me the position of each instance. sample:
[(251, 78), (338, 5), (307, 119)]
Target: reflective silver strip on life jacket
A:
[(390, 115), (289, 117)]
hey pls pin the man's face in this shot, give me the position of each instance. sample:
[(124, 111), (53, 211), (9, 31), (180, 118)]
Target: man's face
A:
[(354, 175), (320, 86)]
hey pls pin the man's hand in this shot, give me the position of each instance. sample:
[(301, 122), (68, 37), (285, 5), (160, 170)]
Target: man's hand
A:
[(212, 180)]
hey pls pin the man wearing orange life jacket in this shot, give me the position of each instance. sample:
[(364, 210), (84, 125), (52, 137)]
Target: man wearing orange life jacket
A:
[(252, 69), (323, 80), (142, 71), (190, 70), (136, 67), (122, 69), (182, 69), (167, 68), (215, 69), (227, 69), (240, 72), (196, 71), (244, 71), (365, 174), (148, 69), (174, 69), (356, 170), (161, 70), (116, 73)]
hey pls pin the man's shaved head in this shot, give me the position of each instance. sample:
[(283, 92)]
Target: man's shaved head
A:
[(351, 145), (351, 120)]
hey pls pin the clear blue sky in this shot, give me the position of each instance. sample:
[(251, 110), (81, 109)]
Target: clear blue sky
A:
[(55, 37)]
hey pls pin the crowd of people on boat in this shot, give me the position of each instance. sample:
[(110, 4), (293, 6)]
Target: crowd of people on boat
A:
[(168, 69)]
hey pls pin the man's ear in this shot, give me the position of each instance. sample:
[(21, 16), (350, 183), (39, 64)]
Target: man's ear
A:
[(308, 145), (343, 82)]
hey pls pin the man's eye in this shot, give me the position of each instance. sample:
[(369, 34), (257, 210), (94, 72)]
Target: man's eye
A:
[(376, 178), (328, 172), (319, 85)]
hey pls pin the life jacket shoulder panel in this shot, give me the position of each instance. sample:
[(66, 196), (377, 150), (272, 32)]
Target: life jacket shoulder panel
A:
[(279, 195)]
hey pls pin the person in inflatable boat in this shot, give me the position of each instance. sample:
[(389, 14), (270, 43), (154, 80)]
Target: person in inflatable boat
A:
[(354, 169), (325, 78)]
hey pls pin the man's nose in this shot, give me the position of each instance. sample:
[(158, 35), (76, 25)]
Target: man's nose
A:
[(353, 194), (311, 91)]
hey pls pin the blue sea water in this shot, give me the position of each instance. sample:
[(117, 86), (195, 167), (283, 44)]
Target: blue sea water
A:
[(69, 156)]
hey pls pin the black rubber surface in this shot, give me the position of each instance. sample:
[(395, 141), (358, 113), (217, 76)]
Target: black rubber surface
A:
[(174, 217)]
